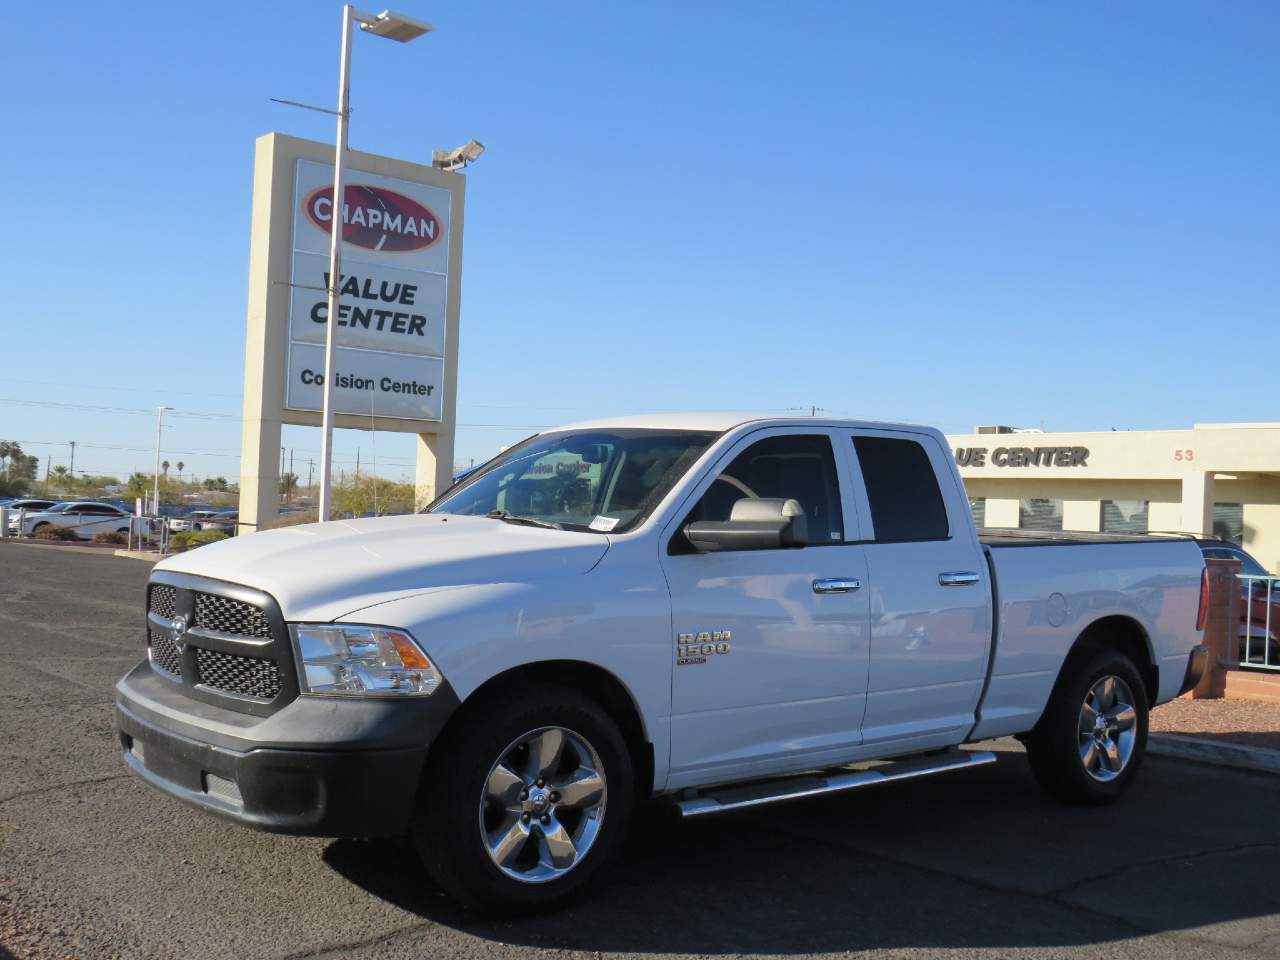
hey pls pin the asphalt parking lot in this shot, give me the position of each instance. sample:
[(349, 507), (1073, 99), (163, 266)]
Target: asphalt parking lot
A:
[(92, 863)]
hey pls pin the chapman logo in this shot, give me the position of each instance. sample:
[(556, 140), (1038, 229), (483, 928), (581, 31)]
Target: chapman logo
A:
[(375, 218)]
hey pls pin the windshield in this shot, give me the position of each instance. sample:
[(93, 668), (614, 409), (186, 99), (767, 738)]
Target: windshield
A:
[(600, 480)]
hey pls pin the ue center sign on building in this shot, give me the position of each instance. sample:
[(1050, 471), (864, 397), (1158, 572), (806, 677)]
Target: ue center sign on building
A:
[(396, 338)]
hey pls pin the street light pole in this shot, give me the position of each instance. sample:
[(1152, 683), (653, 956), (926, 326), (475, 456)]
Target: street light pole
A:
[(155, 501), (394, 27)]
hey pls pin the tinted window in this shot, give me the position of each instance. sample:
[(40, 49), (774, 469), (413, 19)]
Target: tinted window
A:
[(1228, 522), (800, 468), (902, 489), (1040, 513), (1124, 516)]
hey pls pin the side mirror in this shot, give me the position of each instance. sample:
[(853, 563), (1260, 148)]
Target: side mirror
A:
[(754, 524)]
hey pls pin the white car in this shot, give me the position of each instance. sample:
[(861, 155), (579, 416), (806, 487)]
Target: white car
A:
[(190, 521), (86, 518), (717, 611)]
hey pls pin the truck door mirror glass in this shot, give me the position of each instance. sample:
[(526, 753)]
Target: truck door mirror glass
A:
[(756, 523)]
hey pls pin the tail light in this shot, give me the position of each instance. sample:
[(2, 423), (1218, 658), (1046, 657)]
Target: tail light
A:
[(1204, 599)]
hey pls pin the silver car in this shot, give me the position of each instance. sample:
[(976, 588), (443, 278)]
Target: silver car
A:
[(85, 518)]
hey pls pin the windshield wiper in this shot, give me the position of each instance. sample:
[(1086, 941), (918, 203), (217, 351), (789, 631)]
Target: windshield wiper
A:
[(526, 521)]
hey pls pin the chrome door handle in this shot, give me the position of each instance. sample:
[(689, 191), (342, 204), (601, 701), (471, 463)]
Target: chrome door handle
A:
[(837, 585), (958, 578)]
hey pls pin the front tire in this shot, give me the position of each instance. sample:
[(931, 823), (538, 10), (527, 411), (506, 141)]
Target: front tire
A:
[(528, 798), (1089, 744)]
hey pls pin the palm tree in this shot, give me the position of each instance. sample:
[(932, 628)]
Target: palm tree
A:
[(60, 474), (180, 466), (165, 467)]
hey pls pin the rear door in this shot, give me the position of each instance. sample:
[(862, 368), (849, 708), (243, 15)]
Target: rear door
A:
[(778, 677), (929, 592)]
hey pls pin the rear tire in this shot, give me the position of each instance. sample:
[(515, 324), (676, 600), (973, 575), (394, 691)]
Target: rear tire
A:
[(527, 799), (1089, 744)]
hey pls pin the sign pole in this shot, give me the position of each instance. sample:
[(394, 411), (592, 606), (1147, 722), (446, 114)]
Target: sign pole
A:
[(337, 223)]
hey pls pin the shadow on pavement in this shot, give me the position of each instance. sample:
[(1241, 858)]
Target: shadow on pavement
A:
[(974, 860)]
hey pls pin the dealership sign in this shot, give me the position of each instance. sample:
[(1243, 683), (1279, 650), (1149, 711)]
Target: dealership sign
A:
[(1023, 457), (390, 332)]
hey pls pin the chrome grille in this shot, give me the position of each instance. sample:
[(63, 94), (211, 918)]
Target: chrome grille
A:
[(165, 655), (231, 616), (243, 676), (163, 599)]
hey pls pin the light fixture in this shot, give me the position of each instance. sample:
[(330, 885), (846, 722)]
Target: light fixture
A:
[(394, 26), (457, 159)]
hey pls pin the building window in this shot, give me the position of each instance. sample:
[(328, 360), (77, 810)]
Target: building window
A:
[(978, 506), (1040, 513), (1228, 522), (1124, 516)]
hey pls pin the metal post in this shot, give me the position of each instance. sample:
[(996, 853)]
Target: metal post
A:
[(337, 223)]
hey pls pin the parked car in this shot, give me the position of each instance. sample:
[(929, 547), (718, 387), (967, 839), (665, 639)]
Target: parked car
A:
[(29, 504), (86, 518), (224, 520), (1259, 635), (719, 612), (189, 520)]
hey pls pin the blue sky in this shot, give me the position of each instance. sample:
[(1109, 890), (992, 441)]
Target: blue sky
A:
[(1055, 215)]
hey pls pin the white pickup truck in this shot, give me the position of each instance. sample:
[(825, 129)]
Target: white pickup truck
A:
[(717, 611)]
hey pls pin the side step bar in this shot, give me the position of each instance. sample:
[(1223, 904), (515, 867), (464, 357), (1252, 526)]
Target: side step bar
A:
[(741, 796)]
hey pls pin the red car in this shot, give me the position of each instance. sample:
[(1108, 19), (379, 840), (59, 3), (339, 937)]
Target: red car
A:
[(1259, 636)]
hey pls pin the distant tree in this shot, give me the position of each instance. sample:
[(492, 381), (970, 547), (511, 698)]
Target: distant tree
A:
[(165, 467), (138, 485), (215, 483), (180, 466), (288, 484), (60, 474)]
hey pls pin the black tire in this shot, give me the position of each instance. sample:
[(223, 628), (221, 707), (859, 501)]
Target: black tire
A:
[(447, 828), (1058, 748)]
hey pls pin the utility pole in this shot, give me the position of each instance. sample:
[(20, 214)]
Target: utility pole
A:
[(357, 463), (73, 459), (159, 422), (310, 467), (288, 496)]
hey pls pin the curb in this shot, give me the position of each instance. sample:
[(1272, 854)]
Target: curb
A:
[(1215, 752), (139, 555)]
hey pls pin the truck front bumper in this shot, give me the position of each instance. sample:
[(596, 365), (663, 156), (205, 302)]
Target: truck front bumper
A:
[(321, 766)]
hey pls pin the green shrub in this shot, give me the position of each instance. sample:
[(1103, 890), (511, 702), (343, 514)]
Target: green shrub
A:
[(110, 536), (51, 532), (196, 538)]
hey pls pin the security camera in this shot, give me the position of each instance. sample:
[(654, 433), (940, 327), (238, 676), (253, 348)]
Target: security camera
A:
[(457, 159)]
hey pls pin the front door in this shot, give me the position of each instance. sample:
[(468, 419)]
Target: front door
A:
[(774, 673)]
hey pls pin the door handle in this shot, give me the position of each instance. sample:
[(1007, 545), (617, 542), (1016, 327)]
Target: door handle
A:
[(958, 578), (837, 585)]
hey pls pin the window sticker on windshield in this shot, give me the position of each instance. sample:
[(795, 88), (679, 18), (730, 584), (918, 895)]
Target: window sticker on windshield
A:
[(604, 524)]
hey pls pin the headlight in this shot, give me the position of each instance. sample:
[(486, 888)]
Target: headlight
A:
[(339, 660)]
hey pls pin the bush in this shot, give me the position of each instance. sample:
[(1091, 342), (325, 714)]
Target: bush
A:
[(185, 539), (51, 532), (110, 536)]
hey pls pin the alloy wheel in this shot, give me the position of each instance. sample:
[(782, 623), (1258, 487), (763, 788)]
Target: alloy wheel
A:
[(542, 805), (1108, 728)]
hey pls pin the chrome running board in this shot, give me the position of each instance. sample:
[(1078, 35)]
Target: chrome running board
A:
[(741, 796)]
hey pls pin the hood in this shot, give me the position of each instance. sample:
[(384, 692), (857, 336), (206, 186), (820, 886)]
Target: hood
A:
[(319, 572)]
